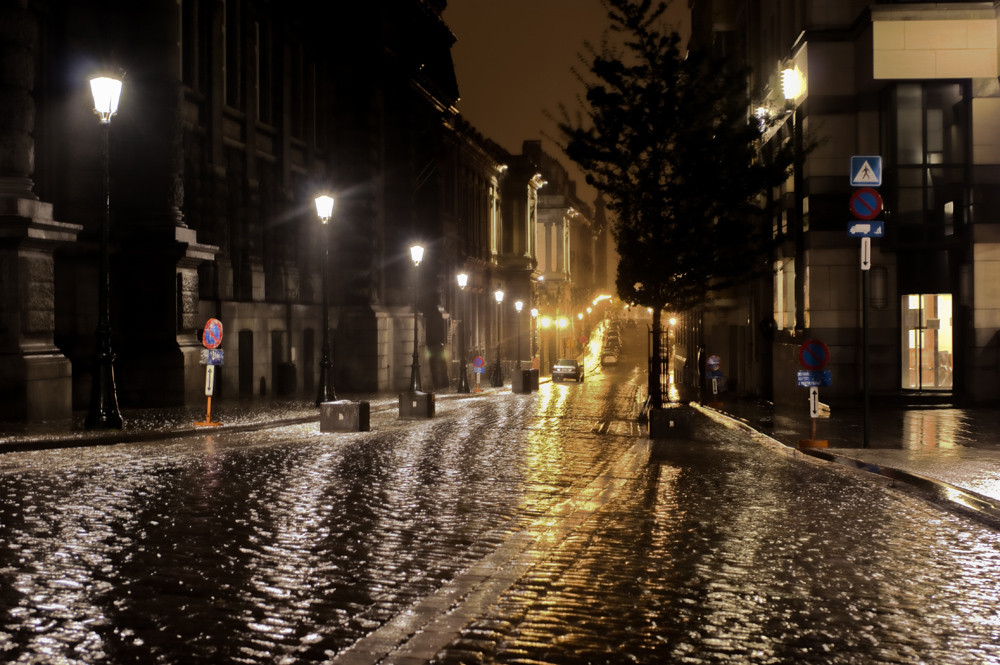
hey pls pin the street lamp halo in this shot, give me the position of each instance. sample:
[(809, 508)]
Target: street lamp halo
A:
[(324, 207), (106, 91), (417, 254), (463, 280), (791, 83), (498, 294), (518, 305)]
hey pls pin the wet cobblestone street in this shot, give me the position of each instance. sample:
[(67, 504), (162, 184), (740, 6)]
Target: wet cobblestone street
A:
[(536, 528)]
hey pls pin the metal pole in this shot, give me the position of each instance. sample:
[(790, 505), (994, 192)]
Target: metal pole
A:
[(463, 378), (866, 372), (415, 367), (326, 392), (517, 333), (498, 370), (104, 413)]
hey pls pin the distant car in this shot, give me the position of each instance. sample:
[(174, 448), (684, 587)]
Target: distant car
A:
[(564, 368), (609, 357)]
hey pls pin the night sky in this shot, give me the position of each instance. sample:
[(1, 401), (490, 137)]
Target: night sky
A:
[(513, 59)]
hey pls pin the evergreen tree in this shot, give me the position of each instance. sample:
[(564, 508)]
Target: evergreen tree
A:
[(666, 137)]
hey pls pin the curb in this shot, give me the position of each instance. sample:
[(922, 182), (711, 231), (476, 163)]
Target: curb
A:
[(957, 499), (965, 501)]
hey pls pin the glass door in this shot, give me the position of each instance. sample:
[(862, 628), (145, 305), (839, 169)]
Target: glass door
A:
[(927, 342)]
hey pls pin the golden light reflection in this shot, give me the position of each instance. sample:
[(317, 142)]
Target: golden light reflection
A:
[(931, 428), (545, 453)]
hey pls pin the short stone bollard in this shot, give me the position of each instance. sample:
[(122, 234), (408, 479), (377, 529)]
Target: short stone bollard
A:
[(344, 416), (671, 423), (520, 381), (416, 405)]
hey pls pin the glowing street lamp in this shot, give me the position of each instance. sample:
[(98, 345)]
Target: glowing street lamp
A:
[(103, 412), (324, 210), (498, 369), (518, 305), (463, 379), (416, 254), (791, 83)]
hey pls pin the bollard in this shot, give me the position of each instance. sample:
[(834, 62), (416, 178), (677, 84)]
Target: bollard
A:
[(416, 405), (344, 416), (675, 422)]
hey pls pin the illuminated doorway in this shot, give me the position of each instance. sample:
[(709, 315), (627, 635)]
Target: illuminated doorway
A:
[(927, 342)]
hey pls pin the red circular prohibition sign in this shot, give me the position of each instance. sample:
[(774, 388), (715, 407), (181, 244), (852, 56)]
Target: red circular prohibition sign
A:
[(866, 203), (212, 337), (814, 354)]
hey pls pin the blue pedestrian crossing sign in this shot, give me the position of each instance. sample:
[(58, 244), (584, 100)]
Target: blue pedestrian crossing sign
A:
[(866, 171)]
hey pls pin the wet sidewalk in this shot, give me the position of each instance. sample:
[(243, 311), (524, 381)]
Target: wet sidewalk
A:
[(953, 454), (163, 423)]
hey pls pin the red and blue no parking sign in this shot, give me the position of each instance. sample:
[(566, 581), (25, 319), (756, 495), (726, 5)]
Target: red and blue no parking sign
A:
[(212, 337), (814, 354), (866, 203)]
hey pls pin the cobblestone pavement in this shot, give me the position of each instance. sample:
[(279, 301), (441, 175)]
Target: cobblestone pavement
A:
[(538, 528)]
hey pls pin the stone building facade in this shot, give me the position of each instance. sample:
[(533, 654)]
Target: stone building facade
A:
[(234, 116)]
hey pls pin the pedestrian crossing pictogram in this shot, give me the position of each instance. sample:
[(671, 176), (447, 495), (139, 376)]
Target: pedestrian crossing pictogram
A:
[(866, 171)]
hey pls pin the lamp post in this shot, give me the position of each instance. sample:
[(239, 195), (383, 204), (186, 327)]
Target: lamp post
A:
[(416, 253), (463, 379), (498, 370), (518, 305), (103, 412), (533, 334), (324, 209)]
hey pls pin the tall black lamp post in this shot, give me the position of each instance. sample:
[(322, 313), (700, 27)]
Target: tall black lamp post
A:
[(533, 334), (324, 209), (463, 379), (498, 370), (104, 411), (416, 253), (518, 305)]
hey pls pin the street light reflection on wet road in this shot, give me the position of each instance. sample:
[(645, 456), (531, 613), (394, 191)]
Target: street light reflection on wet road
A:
[(509, 528)]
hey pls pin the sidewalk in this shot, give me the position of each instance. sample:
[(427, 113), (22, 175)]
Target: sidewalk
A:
[(162, 423), (951, 454)]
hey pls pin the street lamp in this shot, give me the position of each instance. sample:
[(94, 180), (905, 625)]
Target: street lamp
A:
[(498, 369), (518, 305), (324, 209), (104, 411), (463, 379), (416, 253)]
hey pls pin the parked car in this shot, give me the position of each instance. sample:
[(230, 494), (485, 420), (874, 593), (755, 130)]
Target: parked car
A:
[(564, 368), (609, 357)]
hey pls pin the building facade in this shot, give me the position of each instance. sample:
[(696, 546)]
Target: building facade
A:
[(915, 84), (234, 116)]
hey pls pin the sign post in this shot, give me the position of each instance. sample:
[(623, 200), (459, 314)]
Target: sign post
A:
[(814, 356), (713, 372), (478, 367), (211, 356), (865, 204)]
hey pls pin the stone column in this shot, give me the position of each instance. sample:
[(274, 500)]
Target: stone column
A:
[(35, 377), (157, 255)]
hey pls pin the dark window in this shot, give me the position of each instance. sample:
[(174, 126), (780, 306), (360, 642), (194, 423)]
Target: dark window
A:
[(233, 52), (926, 160)]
